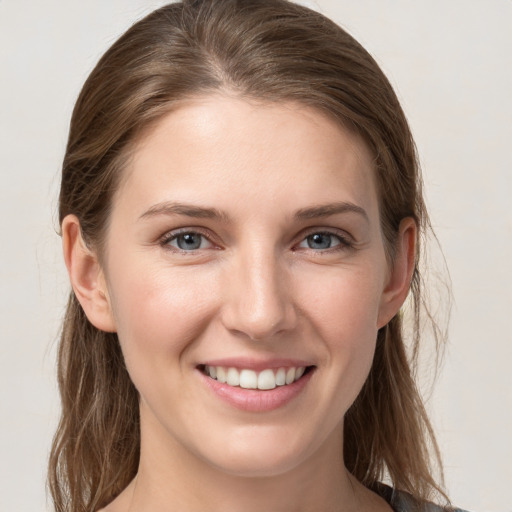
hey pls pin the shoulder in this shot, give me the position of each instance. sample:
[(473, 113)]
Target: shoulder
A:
[(404, 502)]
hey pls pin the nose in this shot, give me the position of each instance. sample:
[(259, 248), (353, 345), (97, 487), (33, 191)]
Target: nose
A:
[(258, 297)]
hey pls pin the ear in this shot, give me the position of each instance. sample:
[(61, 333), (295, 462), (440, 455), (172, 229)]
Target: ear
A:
[(400, 275), (86, 276)]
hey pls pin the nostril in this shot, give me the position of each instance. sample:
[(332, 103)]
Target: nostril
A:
[(257, 301)]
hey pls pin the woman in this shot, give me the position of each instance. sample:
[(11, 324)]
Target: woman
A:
[(241, 212)]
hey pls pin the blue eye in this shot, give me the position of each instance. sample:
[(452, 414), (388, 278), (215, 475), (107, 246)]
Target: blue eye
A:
[(190, 241), (321, 241)]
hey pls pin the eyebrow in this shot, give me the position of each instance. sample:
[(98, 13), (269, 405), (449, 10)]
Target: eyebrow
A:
[(189, 210), (201, 212), (327, 210)]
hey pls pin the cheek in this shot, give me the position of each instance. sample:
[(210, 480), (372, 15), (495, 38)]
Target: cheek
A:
[(342, 310), (342, 300), (158, 315)]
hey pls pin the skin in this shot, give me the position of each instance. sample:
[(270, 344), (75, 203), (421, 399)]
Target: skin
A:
[(257, 287)]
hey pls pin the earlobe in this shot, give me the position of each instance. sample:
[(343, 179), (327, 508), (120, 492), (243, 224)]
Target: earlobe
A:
[(398, 283), (86, 276)]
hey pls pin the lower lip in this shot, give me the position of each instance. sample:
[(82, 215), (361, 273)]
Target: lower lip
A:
[(254, 400)]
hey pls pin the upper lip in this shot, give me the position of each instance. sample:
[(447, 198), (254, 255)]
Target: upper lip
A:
[(256, 364)]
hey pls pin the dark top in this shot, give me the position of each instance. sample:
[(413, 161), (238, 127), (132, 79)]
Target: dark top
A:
[(403, 502)]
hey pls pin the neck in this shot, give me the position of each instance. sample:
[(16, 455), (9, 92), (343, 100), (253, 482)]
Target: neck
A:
[(170, 477)]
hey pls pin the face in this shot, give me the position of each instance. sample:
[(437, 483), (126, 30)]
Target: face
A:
[(247, 278)]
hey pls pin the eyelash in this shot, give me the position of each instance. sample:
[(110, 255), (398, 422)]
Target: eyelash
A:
[(345, 241), (166, 239)]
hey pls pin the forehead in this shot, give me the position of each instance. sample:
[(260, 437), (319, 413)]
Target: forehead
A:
[(214, 143)]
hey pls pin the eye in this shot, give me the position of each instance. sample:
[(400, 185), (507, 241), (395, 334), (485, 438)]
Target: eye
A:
[(187, 241), (322, 241)]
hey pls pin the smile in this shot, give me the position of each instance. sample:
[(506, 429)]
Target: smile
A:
[(257, 389), (249, 379)]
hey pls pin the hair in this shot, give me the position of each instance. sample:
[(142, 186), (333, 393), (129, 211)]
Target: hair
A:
[(269, 50)]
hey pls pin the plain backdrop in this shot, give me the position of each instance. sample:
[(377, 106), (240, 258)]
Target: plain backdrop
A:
[(450, 61)]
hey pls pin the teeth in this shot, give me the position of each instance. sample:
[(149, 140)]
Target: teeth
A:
[(249, 379), (281, 377), (233, 377), (221, 374), (266, 380)]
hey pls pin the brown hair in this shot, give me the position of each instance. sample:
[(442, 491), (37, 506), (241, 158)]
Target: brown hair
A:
[(272, 50)]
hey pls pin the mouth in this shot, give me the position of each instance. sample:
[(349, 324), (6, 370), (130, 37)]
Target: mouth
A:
[(264, 380)]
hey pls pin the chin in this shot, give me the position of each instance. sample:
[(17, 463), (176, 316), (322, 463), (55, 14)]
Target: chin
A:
[(255, 466), (258, 454)]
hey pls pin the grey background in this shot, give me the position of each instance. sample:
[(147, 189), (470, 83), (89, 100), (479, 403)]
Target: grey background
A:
[(450, 62)]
